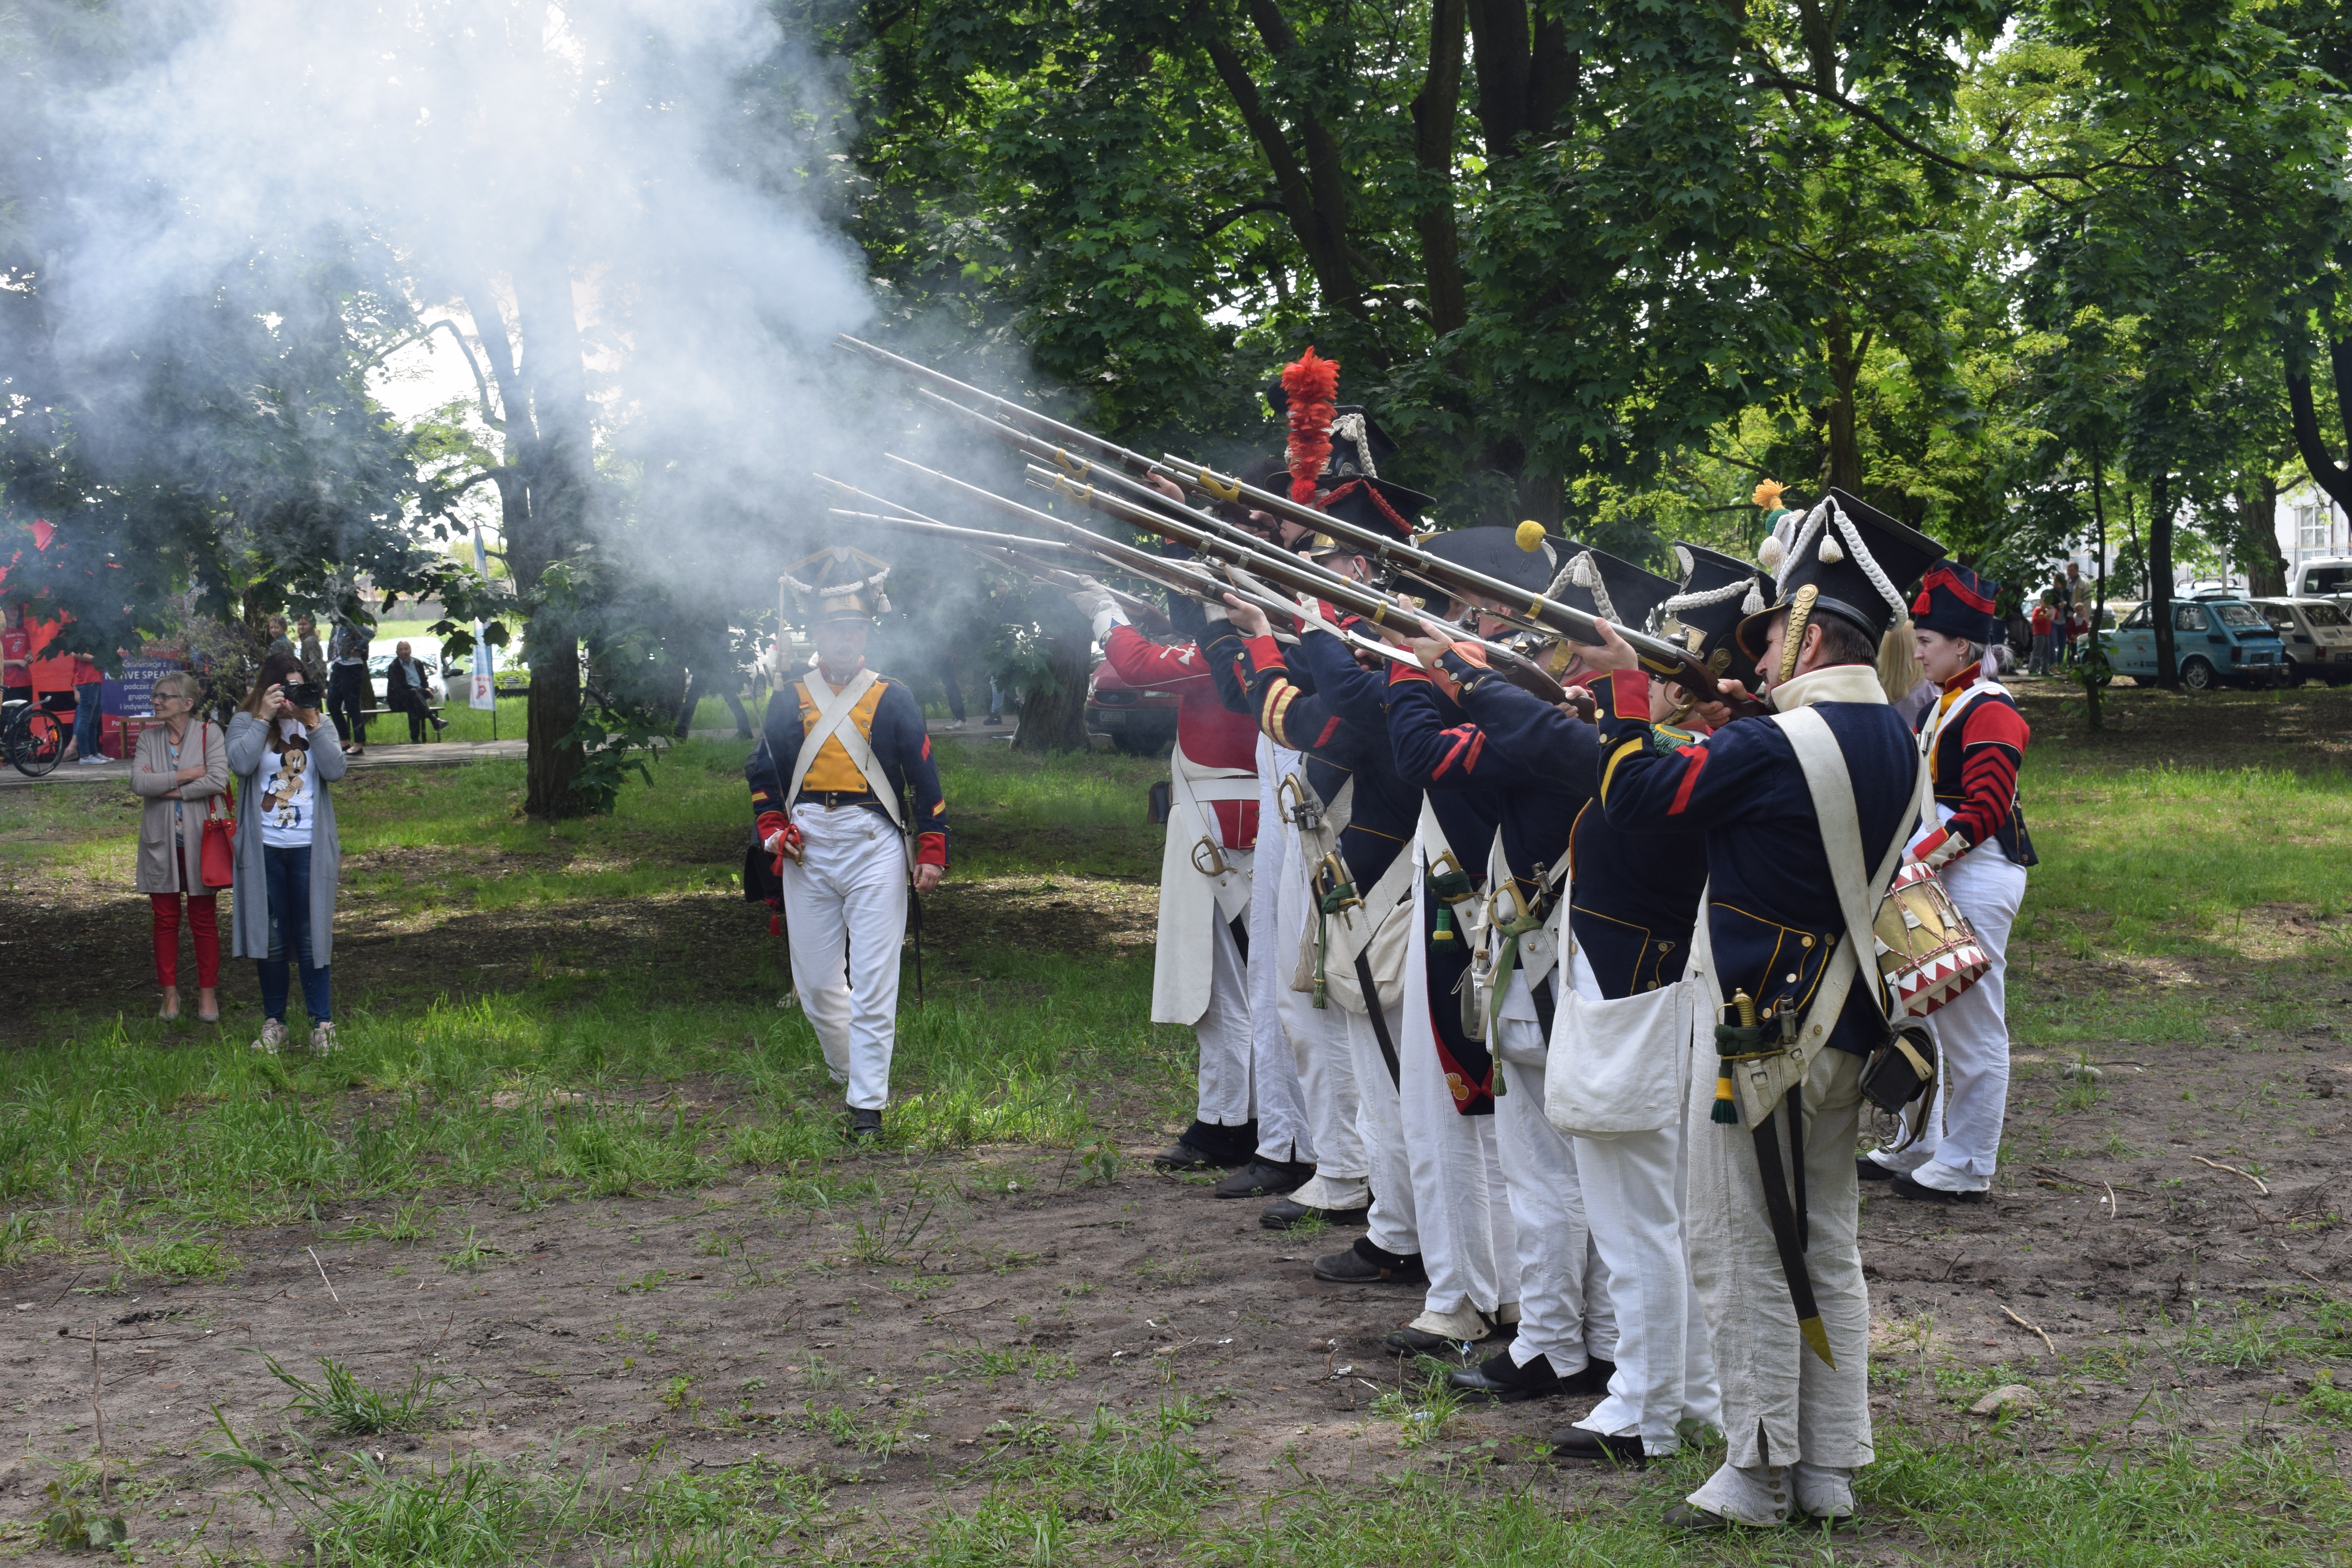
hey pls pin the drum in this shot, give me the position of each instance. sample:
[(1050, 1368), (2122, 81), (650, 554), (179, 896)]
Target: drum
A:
[(1926, 950)]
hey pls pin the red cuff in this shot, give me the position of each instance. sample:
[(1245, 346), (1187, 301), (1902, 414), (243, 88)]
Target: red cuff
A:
[(1264, 652), (1629, 694), (1400, 671), (769, 825), (931, 849), (1944, 844)]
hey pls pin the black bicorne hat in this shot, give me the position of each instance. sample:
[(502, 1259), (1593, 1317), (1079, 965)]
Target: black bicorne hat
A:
[(1718, 591), (1497, 551), (1843, 558), (1359, 445), (1958, 603), (1375, 504)]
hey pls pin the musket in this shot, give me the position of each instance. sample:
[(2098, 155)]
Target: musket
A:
[(1291, 573), (1176, 576), (1015, 553), (1519, 607), (1084, 471)]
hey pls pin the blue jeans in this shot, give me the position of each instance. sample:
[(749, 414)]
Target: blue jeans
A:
[(89, 726), (286, 880)]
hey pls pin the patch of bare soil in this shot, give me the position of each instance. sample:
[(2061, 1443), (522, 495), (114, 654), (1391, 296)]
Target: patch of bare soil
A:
[(890, 1344)]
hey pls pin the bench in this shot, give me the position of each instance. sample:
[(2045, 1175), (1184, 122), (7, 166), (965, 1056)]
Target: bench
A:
[(433, 711)]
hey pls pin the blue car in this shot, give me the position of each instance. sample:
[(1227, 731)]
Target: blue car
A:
[(2216, 638)]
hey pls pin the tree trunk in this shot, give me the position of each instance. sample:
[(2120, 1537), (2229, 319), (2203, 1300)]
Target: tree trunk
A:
[(2095, 668), (2303, 420), (2258, 550), (2159, 578), (1434, 109), (1053, 710), (1845, 352), (560, 475)]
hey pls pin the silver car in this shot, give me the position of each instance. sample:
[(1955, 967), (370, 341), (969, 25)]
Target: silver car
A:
[(2317, 635)]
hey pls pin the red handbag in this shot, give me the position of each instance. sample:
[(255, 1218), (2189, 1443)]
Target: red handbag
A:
[(218, 868)]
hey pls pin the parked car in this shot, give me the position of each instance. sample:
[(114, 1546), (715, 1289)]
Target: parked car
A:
[(2315, 578), (2318, 638), (2216, 638), (1140, 720)]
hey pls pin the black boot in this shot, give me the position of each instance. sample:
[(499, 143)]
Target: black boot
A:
[(1505, 1381), (1204, 1147), (1288, 1213), (865, 1125), (1365, 1264), (1265, 1179), (1576, 1443), (1593, 1378), (1869, 1170)]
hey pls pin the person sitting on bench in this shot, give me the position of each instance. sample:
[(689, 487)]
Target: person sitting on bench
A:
[(408, 690)]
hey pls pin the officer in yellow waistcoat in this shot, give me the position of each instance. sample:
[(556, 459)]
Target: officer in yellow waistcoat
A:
[(844, 750)]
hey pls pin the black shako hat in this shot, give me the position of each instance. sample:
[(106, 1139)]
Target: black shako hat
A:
[(1958, 603), (1845, 558), (1561, 569), (1359, 445), (1718, 591)]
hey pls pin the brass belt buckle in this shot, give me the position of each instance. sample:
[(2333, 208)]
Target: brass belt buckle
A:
[(1216, 866)]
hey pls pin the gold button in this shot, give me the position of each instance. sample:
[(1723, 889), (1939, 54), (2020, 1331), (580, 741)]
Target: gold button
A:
[(1651, 987), (1806, 941), (1666, 947), (1792, 980)]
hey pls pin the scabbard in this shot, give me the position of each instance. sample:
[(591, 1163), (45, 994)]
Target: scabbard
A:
[(1783, 1216), (1378, 1017)]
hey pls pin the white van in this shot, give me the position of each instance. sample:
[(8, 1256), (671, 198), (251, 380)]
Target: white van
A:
[(2329, 579)]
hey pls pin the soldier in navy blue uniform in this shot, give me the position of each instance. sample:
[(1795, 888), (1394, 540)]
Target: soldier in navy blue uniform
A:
[(1771, 1207), (1531, 767), (1622, 1043), (1315, 698)]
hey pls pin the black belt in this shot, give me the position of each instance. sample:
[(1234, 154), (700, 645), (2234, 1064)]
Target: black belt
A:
[(832, 799)]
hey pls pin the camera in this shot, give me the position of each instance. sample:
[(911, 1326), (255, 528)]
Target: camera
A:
[(299, 693)]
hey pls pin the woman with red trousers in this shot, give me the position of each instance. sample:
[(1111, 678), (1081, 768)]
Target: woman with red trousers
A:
[(181, 765)]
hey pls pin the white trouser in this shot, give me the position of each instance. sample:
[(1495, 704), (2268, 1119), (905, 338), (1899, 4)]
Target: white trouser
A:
[(1775, 1391), (1280, 1102), (1318, 1045), (1224, 1031), (1971, 1033), (1458, 1198), (1633, 1203), (846, 905), (1393, 1226), (1564, 1291)]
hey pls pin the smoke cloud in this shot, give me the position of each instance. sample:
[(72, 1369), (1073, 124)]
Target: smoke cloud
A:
[(669, 158)]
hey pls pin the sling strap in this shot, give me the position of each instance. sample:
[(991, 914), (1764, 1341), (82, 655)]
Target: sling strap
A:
[(834, 723)]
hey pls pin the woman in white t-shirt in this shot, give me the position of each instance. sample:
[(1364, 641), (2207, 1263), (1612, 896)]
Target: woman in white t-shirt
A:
[(288, 856)]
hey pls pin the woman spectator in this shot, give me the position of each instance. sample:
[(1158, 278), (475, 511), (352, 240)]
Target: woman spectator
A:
[(408, 690), (90, 722), (2041, 619), (288, 856), (181, 766), (16, 657)]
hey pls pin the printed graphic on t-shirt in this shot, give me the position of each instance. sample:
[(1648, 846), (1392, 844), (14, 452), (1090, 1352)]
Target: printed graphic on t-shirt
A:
[(286, 800)]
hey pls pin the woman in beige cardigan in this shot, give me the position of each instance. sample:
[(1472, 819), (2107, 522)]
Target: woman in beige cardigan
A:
[(181, 764)]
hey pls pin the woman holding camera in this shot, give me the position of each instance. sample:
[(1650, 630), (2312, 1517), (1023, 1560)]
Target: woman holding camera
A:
[(288, 856), (181, 766)]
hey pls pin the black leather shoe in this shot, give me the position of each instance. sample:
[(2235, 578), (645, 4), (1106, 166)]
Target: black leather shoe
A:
[(1576, 1443), (1505, 1381), (1365, 1264), (1409, 1341), (1206, 1148), (865, 1123), (1288, 1213), (1869, 1170), (1265, 1179), (1905, 1187), (1591, 1378)]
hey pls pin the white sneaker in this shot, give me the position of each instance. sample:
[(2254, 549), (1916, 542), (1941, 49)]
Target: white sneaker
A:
[(94, 762), (273, 1038), (953, 724), (322, 1039)]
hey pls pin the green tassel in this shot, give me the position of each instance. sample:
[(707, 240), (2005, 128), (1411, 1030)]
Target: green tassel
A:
[(1726, 1110), (1500, 1088), (1444, 931)]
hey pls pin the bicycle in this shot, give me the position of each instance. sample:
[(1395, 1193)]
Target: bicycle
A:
[(32, 737)]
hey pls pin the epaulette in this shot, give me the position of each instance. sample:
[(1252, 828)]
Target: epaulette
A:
[(1664, 738)]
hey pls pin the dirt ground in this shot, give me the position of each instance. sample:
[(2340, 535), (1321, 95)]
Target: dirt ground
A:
[(988, 1292)]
